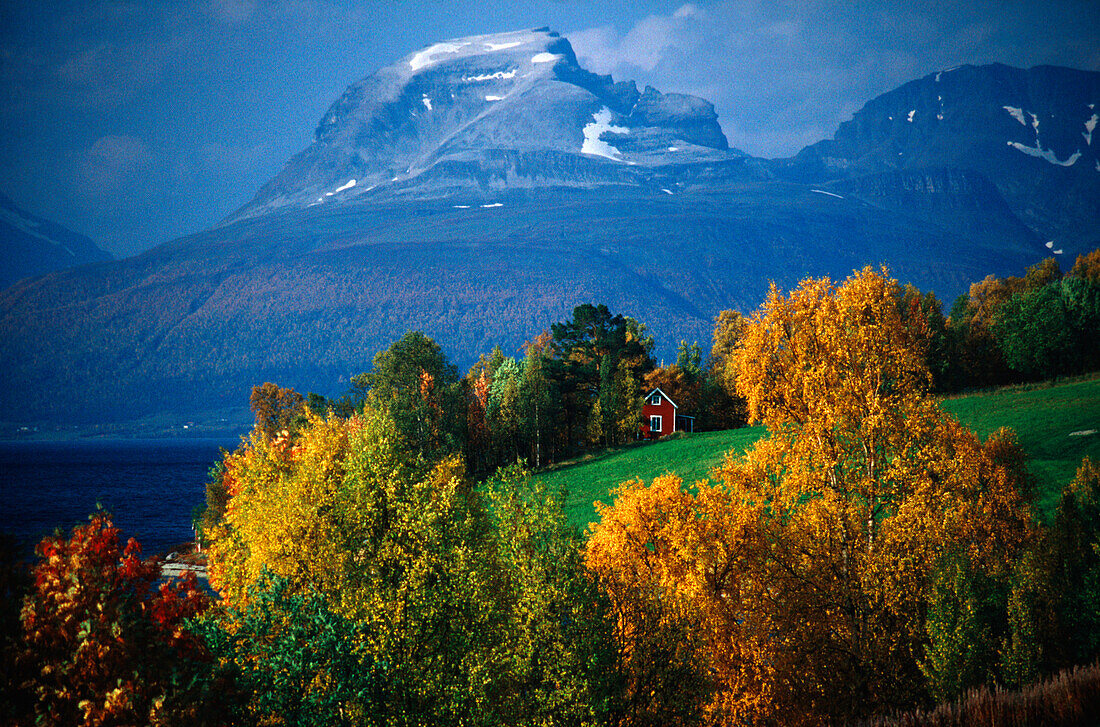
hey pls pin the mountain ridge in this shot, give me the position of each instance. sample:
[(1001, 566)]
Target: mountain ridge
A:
[(31, 245), (488, 235), (520, 94)]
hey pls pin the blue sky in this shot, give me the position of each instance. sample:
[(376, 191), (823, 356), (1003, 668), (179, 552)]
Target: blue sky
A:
[(138, 122)]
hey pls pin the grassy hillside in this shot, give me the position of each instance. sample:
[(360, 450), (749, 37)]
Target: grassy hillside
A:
[(689, 456), (1048, 420)]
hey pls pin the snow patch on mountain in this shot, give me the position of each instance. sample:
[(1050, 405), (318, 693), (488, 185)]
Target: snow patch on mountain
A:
[(831, 194), (499, 75), (492, 47), (545, 58), (911, 115), (494, 98), (601, 123), (1090, 125), (426, 57), (427, 102), (1046, 154), (1016, 113)]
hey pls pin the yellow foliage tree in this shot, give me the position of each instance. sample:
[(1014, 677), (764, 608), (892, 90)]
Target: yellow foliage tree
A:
[(392, 542), (808, 564)]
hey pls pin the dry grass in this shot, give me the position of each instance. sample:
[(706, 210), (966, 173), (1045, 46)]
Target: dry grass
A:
[(1070, 698)]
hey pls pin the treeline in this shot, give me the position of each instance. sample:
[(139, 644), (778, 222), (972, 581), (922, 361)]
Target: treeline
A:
[(870, 554), (1011, 330), (576, 387)]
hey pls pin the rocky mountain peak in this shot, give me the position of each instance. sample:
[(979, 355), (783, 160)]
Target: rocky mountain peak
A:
[(491, 111)]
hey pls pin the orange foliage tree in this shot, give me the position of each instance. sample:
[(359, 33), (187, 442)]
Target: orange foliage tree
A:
[(105, 643), (806, 567)]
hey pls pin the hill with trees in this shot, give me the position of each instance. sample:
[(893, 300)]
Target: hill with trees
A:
[(439, 217)]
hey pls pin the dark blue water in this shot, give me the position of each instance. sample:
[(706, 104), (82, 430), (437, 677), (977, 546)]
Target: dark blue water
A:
[(150, 486)]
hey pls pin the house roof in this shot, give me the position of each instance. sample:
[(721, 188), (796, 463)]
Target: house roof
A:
[(658, 389)]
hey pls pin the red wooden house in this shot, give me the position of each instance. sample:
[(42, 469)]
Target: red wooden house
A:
[(658, 415)]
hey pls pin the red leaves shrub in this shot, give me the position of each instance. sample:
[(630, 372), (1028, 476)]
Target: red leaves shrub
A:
[(103, 643)]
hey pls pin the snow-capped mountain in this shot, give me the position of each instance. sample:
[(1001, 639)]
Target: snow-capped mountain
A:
[(1031, 132), (31, 245), (490, 112), (478, 189)]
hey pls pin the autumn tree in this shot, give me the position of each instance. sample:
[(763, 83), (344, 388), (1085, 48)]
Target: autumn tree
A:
[(392, 541), (809, 561), (277, 409), (923, 313), (867, 481), (106, 643), (1087, 267), (636, 554), (724, 407)]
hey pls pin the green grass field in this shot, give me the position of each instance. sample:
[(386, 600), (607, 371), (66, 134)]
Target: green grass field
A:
[(1045, 419), (1049, 422)]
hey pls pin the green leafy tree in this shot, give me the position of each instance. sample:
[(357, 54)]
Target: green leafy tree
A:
[(538, 400), (414, 380), (959, 622), (292, 661), (588, 350), (1075, 554), (1036, 332), (690, 359), (556, 647), (504, 414)]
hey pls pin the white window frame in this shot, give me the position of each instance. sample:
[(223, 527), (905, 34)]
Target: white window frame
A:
[(655, 399), (655, 422)]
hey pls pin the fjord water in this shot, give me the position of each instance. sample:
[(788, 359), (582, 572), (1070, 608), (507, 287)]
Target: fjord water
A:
[(150, 486)]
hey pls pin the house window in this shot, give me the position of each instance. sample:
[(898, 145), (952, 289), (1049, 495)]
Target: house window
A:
[(655, 400), (654, 423)]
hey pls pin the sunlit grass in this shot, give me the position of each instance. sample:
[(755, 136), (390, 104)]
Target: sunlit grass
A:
[(1045, 418), (1049, 421)]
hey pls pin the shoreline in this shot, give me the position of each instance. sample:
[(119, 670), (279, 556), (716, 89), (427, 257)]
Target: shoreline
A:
[(183, 558)]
